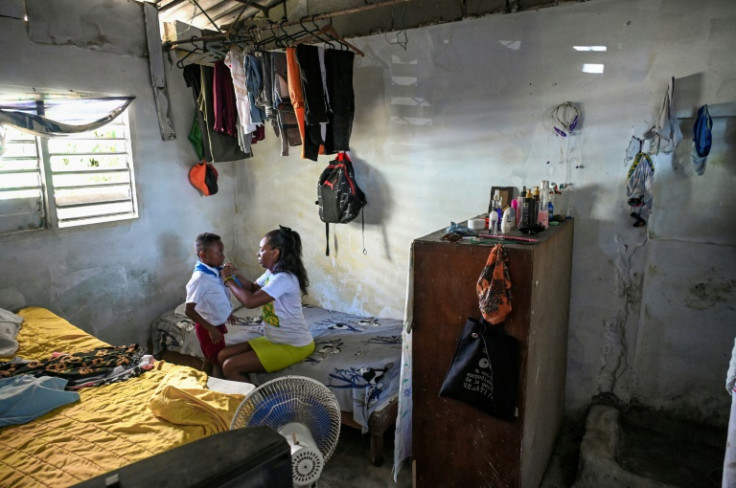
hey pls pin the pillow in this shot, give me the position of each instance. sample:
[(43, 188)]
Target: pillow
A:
[(181, 309), (9, 326)]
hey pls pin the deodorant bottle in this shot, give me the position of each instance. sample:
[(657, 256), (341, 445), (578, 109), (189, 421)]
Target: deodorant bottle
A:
[(508, 220)]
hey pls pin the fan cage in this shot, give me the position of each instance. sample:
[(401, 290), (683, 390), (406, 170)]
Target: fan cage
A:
[(293, 399)]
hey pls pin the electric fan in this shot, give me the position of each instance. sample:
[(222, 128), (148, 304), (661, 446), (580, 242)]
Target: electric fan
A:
[(302, 410)]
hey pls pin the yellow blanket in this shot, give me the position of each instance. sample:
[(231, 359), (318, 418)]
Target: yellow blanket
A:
[(113, 425)]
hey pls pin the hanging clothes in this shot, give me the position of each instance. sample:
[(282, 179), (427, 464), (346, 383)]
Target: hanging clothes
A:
[(218, 147), (702, 139), (339, 74), (223, 100), (264, 100), (315, 101), (286, 119), (294, 79), (313, 84), (235, 60), (639, 187), (254, 85), (667, 129)]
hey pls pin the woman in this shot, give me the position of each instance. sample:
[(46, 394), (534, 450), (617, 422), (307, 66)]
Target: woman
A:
[(279, 290)]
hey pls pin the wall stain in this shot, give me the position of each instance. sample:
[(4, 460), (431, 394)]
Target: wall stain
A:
[(708, 294)]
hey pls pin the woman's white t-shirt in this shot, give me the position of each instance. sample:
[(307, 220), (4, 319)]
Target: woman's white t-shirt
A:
[(283, 320)]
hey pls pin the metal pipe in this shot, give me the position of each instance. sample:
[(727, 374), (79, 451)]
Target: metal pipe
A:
[(223, 37)]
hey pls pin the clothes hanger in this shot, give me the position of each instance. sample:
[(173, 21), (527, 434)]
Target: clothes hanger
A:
[(330, 31), (275, 38), (319, 31), (311, 35), (216, 48), (262, 42), (180, 63), (285, 36)]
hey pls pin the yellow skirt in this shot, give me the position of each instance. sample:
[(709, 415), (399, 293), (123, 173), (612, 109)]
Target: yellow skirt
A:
[(274, 357)]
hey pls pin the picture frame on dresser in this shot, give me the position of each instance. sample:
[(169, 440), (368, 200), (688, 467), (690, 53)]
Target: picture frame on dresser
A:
[(507, 194)]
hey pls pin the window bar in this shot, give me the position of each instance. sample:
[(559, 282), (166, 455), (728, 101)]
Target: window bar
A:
[(90, 171), (92, 186), (103, 202), (96, 217), (42, 151)]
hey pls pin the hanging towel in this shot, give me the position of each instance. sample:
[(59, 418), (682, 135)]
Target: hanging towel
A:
[(667, 129), (493, 287), (702, 138)]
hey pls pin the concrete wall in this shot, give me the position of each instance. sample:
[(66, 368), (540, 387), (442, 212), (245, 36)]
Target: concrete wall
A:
[(466, 106), (110, 279)]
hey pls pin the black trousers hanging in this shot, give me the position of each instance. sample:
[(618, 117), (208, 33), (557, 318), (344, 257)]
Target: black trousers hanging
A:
[(339, 71), (315, 103), (330, 101)]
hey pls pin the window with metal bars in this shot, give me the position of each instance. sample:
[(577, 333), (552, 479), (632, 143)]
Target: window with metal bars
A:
[(63, 181)]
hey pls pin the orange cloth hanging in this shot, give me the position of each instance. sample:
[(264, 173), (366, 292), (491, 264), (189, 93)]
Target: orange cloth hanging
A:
[(294, 80), (494, 298)]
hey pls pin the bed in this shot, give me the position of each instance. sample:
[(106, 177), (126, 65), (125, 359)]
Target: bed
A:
[(357, 357), (110, 425)]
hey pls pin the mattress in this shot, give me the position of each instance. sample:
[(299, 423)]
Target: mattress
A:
[(357, 357), (111, 425)]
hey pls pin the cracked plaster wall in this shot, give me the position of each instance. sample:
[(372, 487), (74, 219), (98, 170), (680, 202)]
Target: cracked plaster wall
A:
[(466, 106), (110, 279)]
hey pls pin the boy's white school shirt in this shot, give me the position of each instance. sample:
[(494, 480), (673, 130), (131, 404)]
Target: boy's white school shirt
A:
[(211, 296)]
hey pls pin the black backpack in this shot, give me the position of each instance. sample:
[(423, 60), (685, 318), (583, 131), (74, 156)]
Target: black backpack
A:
[(339, 197)]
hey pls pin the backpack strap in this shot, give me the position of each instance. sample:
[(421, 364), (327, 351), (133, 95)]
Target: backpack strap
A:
[(327, 238), (362, 228)]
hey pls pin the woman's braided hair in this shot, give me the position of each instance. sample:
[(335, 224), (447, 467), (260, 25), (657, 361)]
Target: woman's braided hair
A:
[(289, 244)]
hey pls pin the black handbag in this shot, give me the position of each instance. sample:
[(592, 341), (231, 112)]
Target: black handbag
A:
[(485, 370)]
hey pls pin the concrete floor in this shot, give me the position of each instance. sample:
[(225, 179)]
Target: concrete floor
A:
[(350, 466), (633, 448)]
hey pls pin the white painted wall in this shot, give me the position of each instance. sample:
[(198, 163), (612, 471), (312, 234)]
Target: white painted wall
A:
[(110, 279), (482, 90), (652, 314)]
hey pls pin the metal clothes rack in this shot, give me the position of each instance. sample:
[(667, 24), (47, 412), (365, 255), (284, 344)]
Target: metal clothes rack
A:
[(250, 34)]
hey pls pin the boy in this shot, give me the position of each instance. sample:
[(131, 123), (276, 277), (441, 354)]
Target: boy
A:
[(208, 299)]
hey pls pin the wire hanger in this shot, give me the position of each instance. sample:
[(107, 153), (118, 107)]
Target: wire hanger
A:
[(330, 31), (180, 64), (312, 35), (285, 36)]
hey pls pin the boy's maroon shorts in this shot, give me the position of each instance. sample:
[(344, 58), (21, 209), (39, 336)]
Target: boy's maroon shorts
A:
[(209, 348)]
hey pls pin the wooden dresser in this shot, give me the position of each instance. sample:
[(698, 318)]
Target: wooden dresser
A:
[(455, 444)]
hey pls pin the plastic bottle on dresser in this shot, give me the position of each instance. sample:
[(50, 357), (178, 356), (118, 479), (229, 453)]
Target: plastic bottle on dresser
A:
[(551, 205), (520, 206), (497, 208), (527, 211), (492, 221), (543, 213), (507, 222)]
